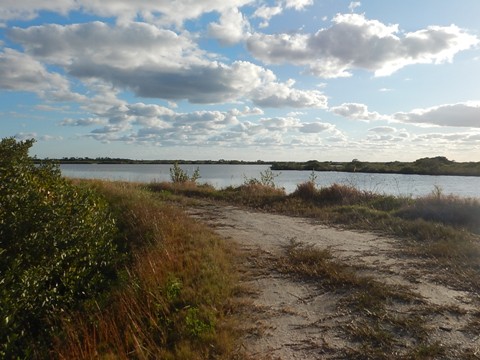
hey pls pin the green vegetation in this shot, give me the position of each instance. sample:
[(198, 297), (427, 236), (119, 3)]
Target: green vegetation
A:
[(93, 269), (426, 166), (177, 175), (105, 270), (174, 300), (57, 250)]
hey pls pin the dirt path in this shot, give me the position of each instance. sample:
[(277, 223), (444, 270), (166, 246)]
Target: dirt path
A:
[(296, 319)]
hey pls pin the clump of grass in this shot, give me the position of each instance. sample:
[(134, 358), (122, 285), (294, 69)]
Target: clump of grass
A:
[(174, 299), (306, 191), (445, 209), (335, 194)]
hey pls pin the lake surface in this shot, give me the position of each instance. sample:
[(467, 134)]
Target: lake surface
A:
[(221, 176)]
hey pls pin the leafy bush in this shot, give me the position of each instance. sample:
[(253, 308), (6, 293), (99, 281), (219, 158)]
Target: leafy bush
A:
[(179, 176), (57, 249)]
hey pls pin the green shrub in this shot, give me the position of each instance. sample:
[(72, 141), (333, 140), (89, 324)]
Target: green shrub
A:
[(57, 250), (180, 176)]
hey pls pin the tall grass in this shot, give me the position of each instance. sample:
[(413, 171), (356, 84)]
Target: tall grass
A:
[(175, 296)]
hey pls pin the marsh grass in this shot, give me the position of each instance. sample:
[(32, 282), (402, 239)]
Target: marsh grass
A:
[(175, 297)]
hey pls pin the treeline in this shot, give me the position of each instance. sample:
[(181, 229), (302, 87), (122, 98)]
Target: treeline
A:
[(425, 166), (108, 160)]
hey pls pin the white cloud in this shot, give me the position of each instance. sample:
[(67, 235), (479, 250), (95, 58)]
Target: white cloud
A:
[(298, 4), (383, 129), (22, 136), (156, 63), (29, 9), (356, 111), (354, 42), (232, 28), (20, 72), (82, 122), (465, 114), (266, 13), (123, 47), (281, 124), (274, 94), (158, 11), (316, 127), (353, 5)]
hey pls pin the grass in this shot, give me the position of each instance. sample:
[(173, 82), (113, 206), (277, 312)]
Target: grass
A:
[(174, 300), (384, 321), (442, 229)]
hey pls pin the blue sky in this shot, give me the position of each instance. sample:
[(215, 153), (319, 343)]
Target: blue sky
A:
[(296, 80)]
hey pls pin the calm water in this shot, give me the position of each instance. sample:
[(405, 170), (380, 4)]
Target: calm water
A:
[(222, 176)]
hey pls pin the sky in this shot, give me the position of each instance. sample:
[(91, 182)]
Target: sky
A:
[(292, 80)]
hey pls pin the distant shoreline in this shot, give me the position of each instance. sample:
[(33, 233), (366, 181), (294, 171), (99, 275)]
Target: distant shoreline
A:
[(425, 166)]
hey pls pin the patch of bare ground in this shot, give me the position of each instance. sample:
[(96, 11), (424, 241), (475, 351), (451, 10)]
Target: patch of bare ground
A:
[(320, 292)]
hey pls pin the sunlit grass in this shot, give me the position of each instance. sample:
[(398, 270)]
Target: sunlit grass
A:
[(174, 300)]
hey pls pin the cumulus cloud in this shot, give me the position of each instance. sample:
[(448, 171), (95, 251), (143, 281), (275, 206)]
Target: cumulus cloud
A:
[(355, 42), (20, 72), (298, 4), (231, 29), (266, 13), (465, 114), (383, 129), (29, 9), (356, 111), (157, 63), (159, 11), (316, 127), (124, 46), (82, 122), (280, 123), (274, 94)]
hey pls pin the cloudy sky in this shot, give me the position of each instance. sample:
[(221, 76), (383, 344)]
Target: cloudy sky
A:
[(374, 80)]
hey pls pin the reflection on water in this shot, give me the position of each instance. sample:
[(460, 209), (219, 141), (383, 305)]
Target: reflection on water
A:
[(222, 176)]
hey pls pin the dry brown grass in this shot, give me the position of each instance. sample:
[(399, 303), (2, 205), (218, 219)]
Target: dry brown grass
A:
[(175, 297)]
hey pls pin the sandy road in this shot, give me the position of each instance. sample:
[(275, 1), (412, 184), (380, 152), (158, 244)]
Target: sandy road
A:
[(294, 319)]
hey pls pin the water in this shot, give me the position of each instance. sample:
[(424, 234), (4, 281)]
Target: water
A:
[(221, 176)]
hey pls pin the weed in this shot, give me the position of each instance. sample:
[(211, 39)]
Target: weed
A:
[(196, 323), (267, 179), (178, 175)]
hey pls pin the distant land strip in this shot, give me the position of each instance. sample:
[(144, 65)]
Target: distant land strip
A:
[(439, 165)]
